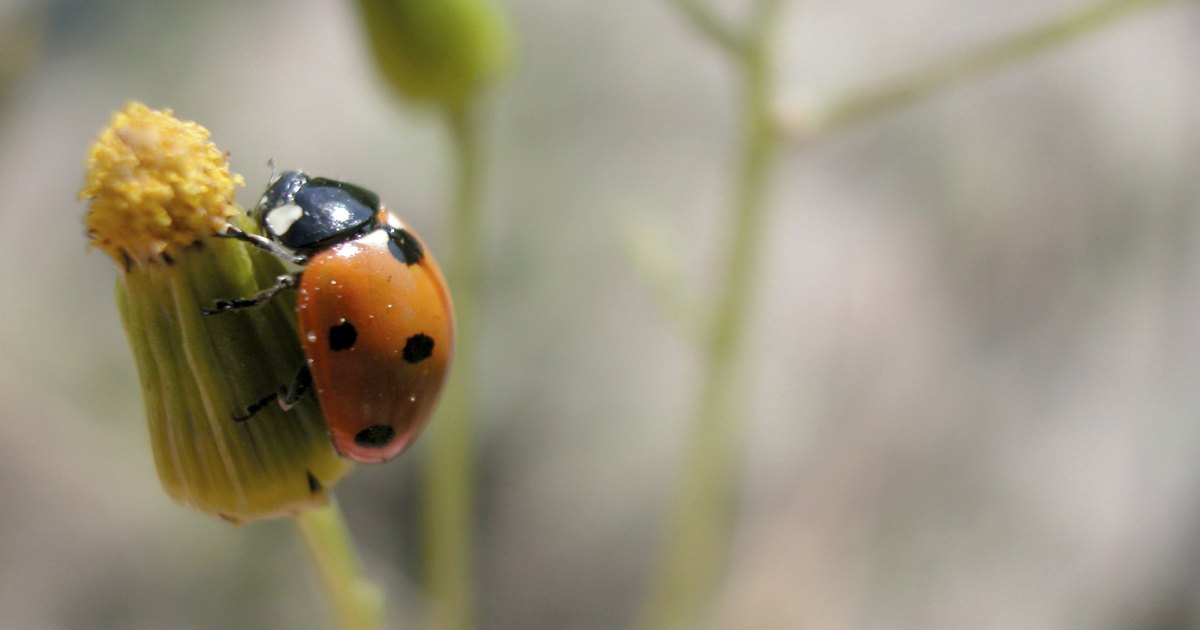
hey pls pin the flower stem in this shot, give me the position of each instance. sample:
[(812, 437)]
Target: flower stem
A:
[(922, 82), (356, 601), (449, 492), (709, 24), (697, 532)]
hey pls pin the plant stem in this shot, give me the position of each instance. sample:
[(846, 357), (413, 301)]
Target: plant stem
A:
[(871, 102), (710, 25), (699, 525), (356, 601), (698, 529), (449, 492)]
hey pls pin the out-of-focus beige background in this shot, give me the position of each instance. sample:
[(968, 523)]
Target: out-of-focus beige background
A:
[(974, 365)]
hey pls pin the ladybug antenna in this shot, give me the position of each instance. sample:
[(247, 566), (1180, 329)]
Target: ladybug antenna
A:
[(271, 164)]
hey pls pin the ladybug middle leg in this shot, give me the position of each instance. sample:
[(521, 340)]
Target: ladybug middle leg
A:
[(295, 391), (286, 281), (287, 397)]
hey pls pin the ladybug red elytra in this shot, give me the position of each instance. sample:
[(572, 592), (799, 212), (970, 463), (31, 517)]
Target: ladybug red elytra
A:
[(374, 314)]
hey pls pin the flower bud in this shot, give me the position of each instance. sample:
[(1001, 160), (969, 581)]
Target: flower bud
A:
[(158, 193), (444, 51)]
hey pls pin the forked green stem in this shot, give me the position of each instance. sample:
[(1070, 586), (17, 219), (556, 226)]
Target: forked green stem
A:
[(697, 531), (878, 100), (356, 601), (449, 487), (709, 24)]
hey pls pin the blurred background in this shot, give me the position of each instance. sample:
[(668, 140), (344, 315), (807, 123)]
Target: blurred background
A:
[(973, 361)]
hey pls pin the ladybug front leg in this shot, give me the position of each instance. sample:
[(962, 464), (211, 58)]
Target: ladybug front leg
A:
[(287, 397), (286, 281), (263, 243)]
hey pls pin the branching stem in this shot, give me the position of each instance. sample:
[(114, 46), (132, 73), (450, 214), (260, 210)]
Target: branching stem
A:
[(697, 532), (940, 76)]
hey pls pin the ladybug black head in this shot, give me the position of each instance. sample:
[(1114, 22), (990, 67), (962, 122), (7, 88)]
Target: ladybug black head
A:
[(306, 214)]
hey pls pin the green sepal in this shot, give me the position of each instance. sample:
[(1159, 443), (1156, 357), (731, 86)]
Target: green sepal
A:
[(198, 371)]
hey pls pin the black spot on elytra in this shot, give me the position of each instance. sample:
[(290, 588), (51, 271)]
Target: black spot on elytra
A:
[(418, 348), (404, 246), (342, 336), (314, 484), (375, 436)]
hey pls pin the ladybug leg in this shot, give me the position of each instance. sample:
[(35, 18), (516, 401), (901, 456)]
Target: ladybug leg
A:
[(287, 397), (286, 281), (262, 243), (299, 386), (254, 408)]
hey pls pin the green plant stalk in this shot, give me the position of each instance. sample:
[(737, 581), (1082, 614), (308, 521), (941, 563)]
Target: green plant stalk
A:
[(449, 488), (356, 601), (710, 25), (872, 102), (699, 526)]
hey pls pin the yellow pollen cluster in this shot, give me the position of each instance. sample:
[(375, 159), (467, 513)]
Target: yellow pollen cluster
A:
[(155, 184)]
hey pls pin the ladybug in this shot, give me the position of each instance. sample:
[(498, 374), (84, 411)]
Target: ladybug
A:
[(374, 314)]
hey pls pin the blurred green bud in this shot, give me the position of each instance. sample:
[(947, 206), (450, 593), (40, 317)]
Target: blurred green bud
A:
[(442, 51), (158, 191)]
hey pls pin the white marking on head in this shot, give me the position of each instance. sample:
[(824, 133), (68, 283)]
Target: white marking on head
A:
[(340, 214), (282, 218), (395, 221)]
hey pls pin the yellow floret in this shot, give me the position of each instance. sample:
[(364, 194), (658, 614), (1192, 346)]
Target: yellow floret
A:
[(155, 185)]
